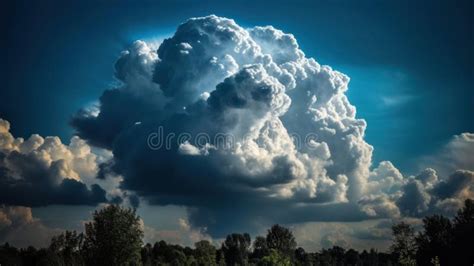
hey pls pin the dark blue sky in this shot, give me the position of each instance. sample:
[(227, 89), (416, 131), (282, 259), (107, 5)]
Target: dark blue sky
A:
[(411, 64)]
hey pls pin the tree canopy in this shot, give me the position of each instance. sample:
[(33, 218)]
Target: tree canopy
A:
[(114, 237)]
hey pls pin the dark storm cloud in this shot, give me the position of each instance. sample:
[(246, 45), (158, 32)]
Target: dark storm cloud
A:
[(137, 99), (119, 110)]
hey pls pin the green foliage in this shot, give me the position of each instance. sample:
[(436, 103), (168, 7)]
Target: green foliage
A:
[(435, 261), (205, 253), (463, 233), (404, 244), (275, 258), (114, 237), (67, 248), (443, 241), (260, 249), (281, 239), (236, 248), (434, 240)]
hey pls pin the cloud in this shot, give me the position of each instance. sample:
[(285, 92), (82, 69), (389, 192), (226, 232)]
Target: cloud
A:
[(314, 236), (454, 191), (184, 235), (415, 198), (19, 228), (42, 171), (396, 100), (457, 153), (443, 195), (391, 195), (240, 127)]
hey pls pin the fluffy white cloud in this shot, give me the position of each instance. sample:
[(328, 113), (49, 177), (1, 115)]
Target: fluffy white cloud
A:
[(42, 171), (74, 161), (252, 76)]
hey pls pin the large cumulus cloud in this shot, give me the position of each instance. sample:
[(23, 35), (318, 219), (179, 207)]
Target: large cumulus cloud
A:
[(42, 171), (243, 129)]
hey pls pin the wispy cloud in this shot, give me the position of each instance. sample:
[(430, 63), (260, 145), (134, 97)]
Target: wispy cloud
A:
[(396, 100)]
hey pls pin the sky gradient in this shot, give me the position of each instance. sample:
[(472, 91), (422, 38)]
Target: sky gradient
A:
[(410, 67)]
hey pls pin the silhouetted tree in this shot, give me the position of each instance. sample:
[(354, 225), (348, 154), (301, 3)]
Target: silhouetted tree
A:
[(337, 254), (281, 239), (9, 255), (236, 249), (68, 247), (326, 258), (351, 257), (260, 248), (463, 233), (274, 258), (147, 255), (404, 244), (220, 257), (29, 255), (177, 256), (205, 253), (161, 253), (300, 256), (114, 237), (434, 241), (45, 257)]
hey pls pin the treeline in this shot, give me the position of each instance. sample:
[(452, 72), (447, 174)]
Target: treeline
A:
[(114, 237)]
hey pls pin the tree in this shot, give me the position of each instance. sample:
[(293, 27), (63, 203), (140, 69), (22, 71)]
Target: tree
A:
[(68, 247), (281, 239), (177, 256), (160, 252), (326, 258), (463, 233), (370, 258), (352, 257), (147, 255), (404, 245), (205, 253), (236, 248), (337, 254), (9, 255), (275, 258), (114, 237), (301, 257), (220, 257), (260, 248), (435, 240)]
